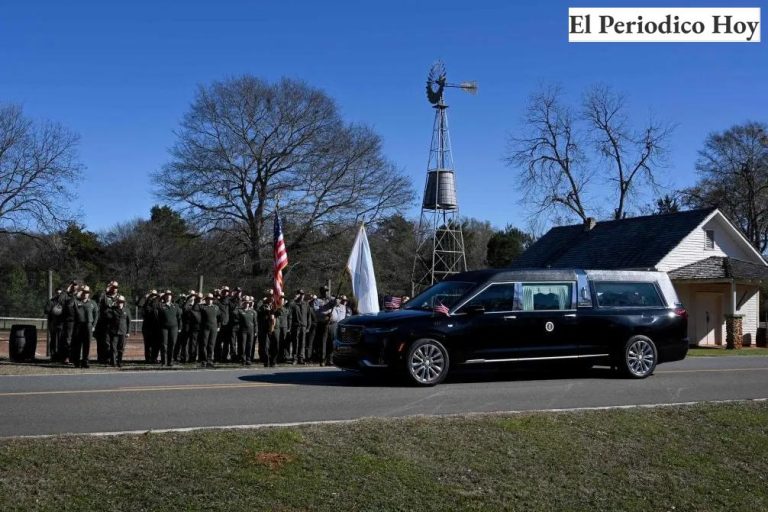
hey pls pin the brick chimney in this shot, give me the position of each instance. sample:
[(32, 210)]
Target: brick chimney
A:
[(589, 224)]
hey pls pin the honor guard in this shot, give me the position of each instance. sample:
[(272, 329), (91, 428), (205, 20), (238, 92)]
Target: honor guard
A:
[(210, 322), (118, 327)]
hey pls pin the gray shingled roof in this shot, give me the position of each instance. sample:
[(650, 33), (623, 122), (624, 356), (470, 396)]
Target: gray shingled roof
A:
[(720, 267), (634, 243)]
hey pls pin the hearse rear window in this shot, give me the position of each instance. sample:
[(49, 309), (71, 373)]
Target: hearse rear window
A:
[(625, 294), (547, 296)]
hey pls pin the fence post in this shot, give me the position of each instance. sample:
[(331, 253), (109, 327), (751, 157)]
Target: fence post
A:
[(200, 283)]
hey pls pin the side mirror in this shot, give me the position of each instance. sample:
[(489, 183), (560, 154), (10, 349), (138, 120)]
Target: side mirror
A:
[(474, 309)]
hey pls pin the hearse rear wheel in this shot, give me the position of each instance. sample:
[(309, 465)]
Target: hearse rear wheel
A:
[(639, 358), (426, 363)]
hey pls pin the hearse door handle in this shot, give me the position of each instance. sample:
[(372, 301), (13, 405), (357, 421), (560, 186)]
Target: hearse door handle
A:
[(510, 317), (570, 315)]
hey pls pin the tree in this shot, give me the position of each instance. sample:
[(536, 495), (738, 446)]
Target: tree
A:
[(667, 204), (476, 235), (733, 176), (38, 161), (245, 143), (563, 150), (505, 246)]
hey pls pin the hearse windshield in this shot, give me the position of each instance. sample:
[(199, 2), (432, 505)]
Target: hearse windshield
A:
[(446, 293)]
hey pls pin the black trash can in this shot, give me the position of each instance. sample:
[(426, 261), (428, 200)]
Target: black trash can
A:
[(22, 343)]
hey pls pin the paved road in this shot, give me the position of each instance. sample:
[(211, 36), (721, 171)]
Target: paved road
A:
[(144, 400)]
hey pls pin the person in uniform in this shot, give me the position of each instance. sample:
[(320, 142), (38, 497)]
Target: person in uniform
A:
[(262, 328), (222, 339), (67, 301), (323, 306), (299, 313), (53, 312), (190, 317), (247, 324), (149, 326), (86, 314), (106, 301), (266, 330), (168, 321), (210, 323), (309, 350), (236, 304), (181, 341), (118, 327), (338, 313), (282, 330)]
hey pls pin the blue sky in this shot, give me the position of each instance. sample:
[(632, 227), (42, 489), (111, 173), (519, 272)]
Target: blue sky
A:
[(122, 74)]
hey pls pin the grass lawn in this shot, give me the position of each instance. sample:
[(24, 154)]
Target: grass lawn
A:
[(702, 457), (722, 352)]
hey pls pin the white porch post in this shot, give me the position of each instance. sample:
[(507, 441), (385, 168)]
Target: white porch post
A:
[(732, 302)]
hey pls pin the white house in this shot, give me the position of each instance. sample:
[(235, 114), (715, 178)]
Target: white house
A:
[(715, 270)]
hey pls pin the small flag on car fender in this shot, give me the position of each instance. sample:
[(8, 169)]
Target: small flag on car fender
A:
[(441, 309)]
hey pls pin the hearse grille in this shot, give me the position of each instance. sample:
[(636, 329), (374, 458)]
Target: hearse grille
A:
[(351, 334)]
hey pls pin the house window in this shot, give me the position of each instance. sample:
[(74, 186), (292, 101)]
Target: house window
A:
[(709, 243)]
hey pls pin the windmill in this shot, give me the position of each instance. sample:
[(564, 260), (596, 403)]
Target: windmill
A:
[(439, 241)]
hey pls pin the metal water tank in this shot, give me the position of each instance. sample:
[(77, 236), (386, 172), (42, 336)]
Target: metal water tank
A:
[(440, 193)]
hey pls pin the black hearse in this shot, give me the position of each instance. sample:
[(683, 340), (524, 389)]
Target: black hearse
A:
[(628, 319)]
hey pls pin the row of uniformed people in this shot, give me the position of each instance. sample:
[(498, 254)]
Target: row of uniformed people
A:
[(218, 327), (73, 318)]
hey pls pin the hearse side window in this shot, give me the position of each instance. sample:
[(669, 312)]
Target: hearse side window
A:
[(627, 294), (446, 293), (547, 296), (497, 297)]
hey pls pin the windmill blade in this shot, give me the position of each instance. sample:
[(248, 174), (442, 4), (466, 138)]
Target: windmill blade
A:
[(470, 87)]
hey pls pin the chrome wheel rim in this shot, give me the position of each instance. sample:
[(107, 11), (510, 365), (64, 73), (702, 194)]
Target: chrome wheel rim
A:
[(427, 363), (640, 358)]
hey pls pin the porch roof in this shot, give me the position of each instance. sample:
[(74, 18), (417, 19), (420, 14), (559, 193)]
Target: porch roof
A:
[(720, 267)]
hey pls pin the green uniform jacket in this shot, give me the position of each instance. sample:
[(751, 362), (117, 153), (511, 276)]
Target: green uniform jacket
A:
[(168, 315), (210, 316), (247, 320), (118, 321), (86, 313), (264, 315)]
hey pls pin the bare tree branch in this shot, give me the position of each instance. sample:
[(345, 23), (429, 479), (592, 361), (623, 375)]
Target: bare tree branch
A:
[(37, 164), (245, 142)]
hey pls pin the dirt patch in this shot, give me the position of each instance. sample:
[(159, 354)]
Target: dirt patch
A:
[(271, 460)]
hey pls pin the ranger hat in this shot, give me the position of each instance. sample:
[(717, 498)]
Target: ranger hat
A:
[(225, 288), (120, 298), (192, 292), (152, 293), (209, 296), (168, 292), (113, 284), (87, 289), (343, 297)]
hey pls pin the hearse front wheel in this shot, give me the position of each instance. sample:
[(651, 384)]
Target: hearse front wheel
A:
[(427, 362), (639, 357)]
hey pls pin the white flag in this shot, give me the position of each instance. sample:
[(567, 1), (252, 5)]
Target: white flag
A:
[(360, 267)]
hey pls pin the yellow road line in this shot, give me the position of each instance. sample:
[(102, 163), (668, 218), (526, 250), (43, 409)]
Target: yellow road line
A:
[(139, 389)]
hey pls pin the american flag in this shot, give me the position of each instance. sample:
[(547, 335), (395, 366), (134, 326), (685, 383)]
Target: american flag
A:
[(391, 302), (281, 257), (441, 309)]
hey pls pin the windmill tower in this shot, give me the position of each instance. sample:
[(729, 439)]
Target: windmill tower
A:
[(439, 241)]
